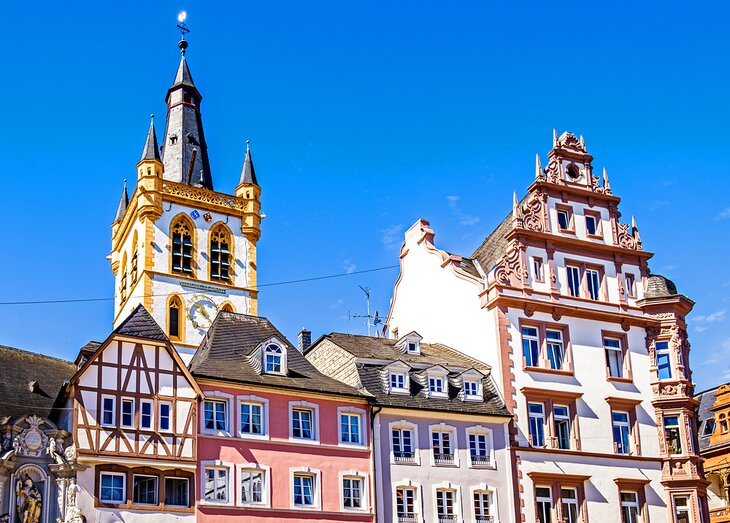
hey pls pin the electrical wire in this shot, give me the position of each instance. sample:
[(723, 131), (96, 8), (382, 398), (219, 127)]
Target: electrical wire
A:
[(272, 284)]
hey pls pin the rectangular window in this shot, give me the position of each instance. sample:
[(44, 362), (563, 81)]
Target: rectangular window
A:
[(252, 418), (445, 505), (405, 503), (573, 280), (555, 349), (350, 428), (614, 357), (304, 490), (537, 424), (569, 505), (176, 492), (663, 360), (301, 420), (215, 414), (216, 484), (630, 285), (561, 422), (352, 493), (544, 500), (443, 453), (403, 445), (144, 490), (112, 488), (252, 486), (530, 346), (591, 224), (165, 409), (478, 451), (436, 385), (621, 432), (537, 269), (564, 219), (593, 278), (397, 381), (145, 415), (681, 509), (471, 389), (672, 434), (630, 507), (107, 411), (127, 413), (481, 507)]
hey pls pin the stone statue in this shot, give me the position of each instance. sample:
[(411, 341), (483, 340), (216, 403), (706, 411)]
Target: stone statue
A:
[(7, 445), (28, 501), (71, 454), (17, 447), (52, 450)]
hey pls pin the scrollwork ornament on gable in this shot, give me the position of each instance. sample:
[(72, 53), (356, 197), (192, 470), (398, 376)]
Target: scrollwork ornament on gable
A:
[(508, 270), (625, 239), (533, 215), (552, 171)]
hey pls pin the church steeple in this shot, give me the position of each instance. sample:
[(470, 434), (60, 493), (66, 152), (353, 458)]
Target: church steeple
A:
[(184, 151)]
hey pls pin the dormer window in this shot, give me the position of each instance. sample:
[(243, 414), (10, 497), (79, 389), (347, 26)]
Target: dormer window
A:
[(413, 347), (410, 343), (398, 382), (436, 385), (273, 360), (472, 390)]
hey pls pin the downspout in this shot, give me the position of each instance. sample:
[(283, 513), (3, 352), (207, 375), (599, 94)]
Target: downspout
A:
[(373, 483)]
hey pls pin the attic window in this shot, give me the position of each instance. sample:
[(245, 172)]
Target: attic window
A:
[(398, 382), (274, 360), (413, 347), (436, 386), (472, 390)]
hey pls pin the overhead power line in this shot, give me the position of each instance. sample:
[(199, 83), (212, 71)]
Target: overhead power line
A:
[(272, 284)]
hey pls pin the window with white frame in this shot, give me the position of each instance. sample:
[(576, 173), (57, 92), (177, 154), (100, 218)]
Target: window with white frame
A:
[(302, 423), (177, 492), (436, 385), (252, 418), (274, 360), (403, 444), (663, 360), (405, 504), (442, 442), (593, 279), (479, 452), (445, 505), (215, 484), (531, 346), (472, 390), (536, 413), (614, 357), (127, 413), (630, 507), (591, 224), (108, 411), (682, 510), (573, 280), (672, 434), (413, 347), (164, 418), (216, 414), (482, 506), (569, 505), (564, 222), (630, 285), (621, 432), (351, 427), (561, 422), (544, 501), (145, 414), (398, 381), (252, 485), (352, 492), (555, 348), (144, 489), (112, 487), (304, 489), (537, 270)]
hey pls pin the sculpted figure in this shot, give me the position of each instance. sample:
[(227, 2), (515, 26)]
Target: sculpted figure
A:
[(28, 501)]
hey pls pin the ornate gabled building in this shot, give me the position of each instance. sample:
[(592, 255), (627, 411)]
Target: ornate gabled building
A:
[(714, 423), (180, 248), (589, 348)]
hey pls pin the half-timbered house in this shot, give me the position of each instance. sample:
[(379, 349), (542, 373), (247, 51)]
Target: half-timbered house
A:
[(134, 425)]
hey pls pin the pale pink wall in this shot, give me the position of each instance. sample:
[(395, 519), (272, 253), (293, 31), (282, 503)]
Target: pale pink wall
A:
[(280, 455)]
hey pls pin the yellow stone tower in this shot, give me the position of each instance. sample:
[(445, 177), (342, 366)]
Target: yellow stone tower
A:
[(180, 248)]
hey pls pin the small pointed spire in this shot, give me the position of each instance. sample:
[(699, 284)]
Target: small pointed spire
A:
[(635, 230), (123, 203), (515, 205), (538, 167), (248, 173), (555, 137), (582, 142), (606, 183), (151, 150)]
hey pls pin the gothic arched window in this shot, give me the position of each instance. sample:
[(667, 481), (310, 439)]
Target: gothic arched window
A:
[(174, 318), (220, 253), (181, 234), (133, 271), (227, 308), (123, 279)]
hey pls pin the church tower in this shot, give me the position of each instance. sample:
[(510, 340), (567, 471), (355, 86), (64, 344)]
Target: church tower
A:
[(180, 248)]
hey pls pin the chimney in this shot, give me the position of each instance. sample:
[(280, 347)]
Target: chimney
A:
[(305, 340)]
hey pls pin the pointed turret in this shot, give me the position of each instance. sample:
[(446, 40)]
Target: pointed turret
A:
[(538, 168), (248, 173), (151, 150), (123, 203), (184, 151), (606, 183)]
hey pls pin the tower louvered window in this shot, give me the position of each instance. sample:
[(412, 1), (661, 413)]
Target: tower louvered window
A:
[(182, 248), (173, 318), (134, 267), (220, 254)]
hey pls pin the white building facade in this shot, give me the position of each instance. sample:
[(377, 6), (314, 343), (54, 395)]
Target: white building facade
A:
[(589, 349)]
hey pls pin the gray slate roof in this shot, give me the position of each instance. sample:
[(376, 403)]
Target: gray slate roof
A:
[(139, 324), (705, 416), (248, 173), (123, 203), (658, 286), (18, 396), (225, 350), (372, 375), (495, 245), (151, 150)]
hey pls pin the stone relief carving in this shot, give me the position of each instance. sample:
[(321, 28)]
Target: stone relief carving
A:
[(508, 270), (627, 240), (28, 500), (203, 195), (32, 441)]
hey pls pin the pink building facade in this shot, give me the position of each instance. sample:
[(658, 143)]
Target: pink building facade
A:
[(278, 441)]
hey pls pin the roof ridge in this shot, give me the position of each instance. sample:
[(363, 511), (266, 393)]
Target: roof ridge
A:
[(8, 347)]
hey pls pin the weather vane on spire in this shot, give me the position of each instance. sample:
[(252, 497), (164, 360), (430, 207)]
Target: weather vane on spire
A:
[(181, 24)]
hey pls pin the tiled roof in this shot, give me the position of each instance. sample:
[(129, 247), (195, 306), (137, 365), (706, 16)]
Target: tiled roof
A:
[(31, 382), (139, 324), (705, 416), (494, 246), (232, 338), (660, 287)]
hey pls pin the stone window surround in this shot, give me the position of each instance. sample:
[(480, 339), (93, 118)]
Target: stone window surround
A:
[(316, 491), (480, 429), (129, 473), (314, 407), (628, 376), (453, 441), (630, 406), (556, 482), (638, 486), (542, 328), (549, 398), (404, 424), (265, 489), (363, 432), (364, 490), (217, 395), (230, 479), (252, 399)]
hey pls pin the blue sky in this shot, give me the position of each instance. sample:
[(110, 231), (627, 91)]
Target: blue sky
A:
[(363, 117)]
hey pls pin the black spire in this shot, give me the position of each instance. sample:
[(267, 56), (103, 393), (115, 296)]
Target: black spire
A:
[(151, 150), (248, 173), (123, 203)]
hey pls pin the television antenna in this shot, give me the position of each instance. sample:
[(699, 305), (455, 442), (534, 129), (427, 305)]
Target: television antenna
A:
[(371, 320)]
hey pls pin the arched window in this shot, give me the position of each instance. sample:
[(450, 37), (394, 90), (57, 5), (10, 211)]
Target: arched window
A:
[(123, 280), (181, 232), (174, 318), (227, 308), (273, 360), (134, 258), (220, 253)]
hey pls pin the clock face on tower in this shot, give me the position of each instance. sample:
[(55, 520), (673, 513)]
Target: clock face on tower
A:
[(202, 311)]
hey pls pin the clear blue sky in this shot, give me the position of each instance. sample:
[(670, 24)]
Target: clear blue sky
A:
[(363, 117)]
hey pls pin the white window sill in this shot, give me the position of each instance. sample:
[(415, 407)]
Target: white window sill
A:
[(304, 441), (211, 432), (260, 437), (359, 446)]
